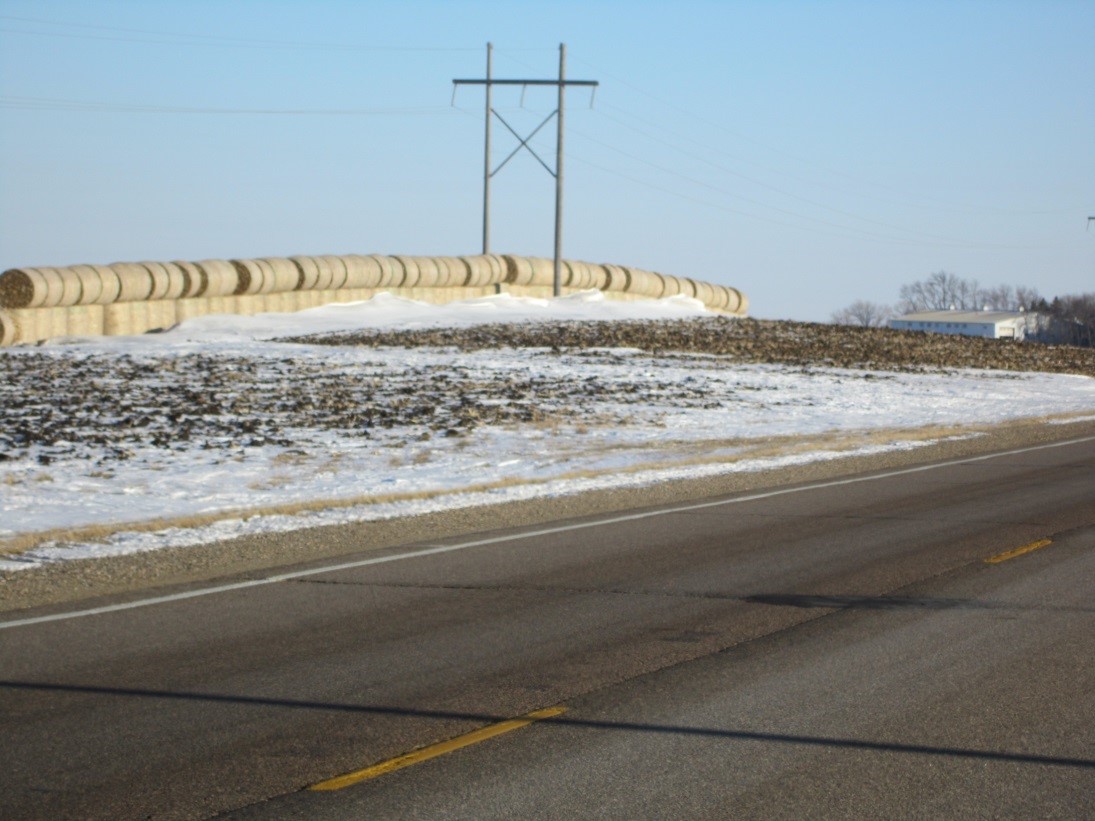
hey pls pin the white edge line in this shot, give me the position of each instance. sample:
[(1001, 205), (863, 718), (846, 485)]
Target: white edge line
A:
[(528, 534)]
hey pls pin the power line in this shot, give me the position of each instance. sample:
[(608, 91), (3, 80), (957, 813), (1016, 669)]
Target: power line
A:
[(203, 39), (50, 104)]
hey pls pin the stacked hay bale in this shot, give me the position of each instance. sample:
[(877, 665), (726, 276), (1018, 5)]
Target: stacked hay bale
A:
[(134, 297)]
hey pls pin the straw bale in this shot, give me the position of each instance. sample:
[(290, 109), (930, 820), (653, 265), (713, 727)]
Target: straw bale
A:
[(429, 272), (23, 288), (742, 308), (672, 285), (91, 284), (337, 269), (220, 277), (486, 269), (111, 286), (251, 277), (325, 276), (688, 286), (178, 281), (135, 282), (647, 283), (705, 292), (71, 287), (362, 271), (518, 270), (118, 319), (84, 320), (391, 271), (355, 271), (617, 278), (410, 271), (9, 331), (55, 287), (193, 278), (578, 275), (285, 276), (596, 275), (452, 272), (161, 280), (308, 273), (479, 271)]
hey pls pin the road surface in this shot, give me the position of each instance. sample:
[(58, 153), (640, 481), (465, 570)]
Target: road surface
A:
[(838, 649)]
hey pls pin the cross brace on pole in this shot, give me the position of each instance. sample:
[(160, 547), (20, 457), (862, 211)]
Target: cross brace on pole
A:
[(523, 142)]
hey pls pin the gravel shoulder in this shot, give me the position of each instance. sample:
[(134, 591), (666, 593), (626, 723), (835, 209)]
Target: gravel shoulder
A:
[(85, 581)]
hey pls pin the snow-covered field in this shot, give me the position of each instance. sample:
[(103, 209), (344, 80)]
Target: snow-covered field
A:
[(211, 431)]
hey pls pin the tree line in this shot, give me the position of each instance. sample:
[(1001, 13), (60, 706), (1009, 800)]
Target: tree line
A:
[(1071, 317)]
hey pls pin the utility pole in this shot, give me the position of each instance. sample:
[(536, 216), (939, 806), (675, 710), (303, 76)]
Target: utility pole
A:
[(523, 142)]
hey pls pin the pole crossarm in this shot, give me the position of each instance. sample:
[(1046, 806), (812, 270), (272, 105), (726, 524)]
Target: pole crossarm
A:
[(526, 82)]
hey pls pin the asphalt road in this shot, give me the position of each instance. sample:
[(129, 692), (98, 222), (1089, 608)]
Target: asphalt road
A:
[(836, 649)]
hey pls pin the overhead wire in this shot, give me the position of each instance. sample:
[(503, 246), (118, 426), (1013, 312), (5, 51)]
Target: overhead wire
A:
[(204, 39), (937, 204), (51, 104)]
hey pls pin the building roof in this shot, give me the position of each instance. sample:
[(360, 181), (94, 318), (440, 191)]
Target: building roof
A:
[(968, 317)]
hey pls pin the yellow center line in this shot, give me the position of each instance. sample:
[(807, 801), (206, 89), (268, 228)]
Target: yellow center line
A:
[(434, 750), (1019, 551)]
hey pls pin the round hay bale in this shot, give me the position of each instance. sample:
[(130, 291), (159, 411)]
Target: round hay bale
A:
[(454, 272), (9, 332), (410, 271), (110, 285), (362, 271), (645, 283), (478, 271), (193, 278), (135, 282), (543, 271), (307, 273), (617, 278), (737, 304), (518, 270), (672, 285), (91, 284), (705, 293), (497, 267), (285, 276), (219, 276), (72, 287), (23, 288), (55, 287), (574, 275), (269, 276), (688, 287), (161, 280), (390, 271), (178, 281), (338, 271), (429, 272), (250, 277), (724, 297)]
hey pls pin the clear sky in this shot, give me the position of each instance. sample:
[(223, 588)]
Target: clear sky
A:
[(807, 153)]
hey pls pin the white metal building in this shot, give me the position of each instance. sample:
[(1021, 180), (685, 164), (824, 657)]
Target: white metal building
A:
[(991, 324)]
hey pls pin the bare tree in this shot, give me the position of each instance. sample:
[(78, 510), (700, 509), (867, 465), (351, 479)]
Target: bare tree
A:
[(939, 292), (863, 313), (942, 291)]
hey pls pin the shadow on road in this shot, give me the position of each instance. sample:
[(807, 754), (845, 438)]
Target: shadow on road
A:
[(568, 721)]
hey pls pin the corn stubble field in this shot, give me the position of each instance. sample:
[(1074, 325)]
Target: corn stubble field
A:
[(67, 406)]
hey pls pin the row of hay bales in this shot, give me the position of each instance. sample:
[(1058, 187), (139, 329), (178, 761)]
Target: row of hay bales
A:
[(165, 290), (152, 281)]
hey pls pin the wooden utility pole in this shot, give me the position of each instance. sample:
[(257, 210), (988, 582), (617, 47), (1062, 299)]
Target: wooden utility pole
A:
[(523, 142)]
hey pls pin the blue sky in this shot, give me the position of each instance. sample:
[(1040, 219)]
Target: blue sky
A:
[(809, 154)]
